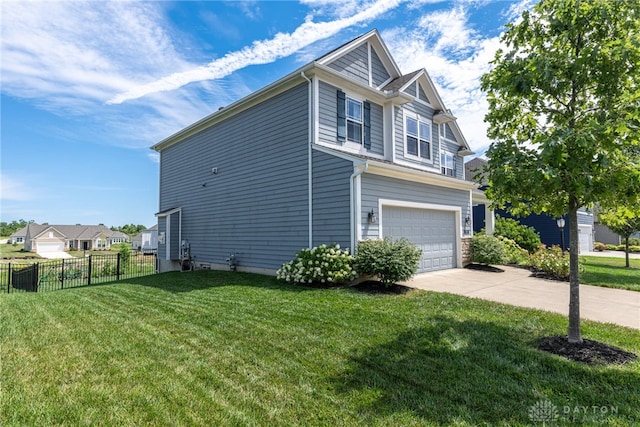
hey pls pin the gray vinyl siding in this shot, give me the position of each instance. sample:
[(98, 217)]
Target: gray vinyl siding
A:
[(331, 199), (354, 64), (449, 133), (379, 74), (424, 112), (257, 203), (375, 187), (327, 120), (585, 217), (422, 96)]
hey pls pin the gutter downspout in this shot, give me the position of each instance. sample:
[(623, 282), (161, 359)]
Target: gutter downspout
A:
[(309, 161), (355, 207)]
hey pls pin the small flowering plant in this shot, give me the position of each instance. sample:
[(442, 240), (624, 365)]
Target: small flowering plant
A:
[(321, 264)]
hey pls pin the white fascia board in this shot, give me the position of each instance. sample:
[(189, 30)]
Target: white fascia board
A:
[(413, 175), (168, 212), (374, 39)]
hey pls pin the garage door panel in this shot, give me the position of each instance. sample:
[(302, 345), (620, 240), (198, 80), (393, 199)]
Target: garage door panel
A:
[(432, 231)]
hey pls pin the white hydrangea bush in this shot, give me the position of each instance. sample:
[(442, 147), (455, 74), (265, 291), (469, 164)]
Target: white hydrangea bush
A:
[(321, 264)]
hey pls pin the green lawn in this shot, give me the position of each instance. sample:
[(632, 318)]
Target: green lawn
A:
[(610, 272), (220, 348)]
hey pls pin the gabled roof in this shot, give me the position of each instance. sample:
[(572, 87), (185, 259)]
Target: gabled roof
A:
[(75, 232), (20, 233), (372, 37), (402, 83)]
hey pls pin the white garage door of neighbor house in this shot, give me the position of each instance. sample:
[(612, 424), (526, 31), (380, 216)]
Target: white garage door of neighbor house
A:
[(50, 247), (585, 238), (432, 230)]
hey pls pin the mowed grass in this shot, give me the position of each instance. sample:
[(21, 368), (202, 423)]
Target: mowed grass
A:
[(610, 272), (220, 348)]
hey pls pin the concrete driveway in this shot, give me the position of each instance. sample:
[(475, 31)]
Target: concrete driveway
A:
[(515, 286)]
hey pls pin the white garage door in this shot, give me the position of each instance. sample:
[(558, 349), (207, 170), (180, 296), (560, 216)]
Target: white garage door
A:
[(585, 238), (50, 247), (432, 230)]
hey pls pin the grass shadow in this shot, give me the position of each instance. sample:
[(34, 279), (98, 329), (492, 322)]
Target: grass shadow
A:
[(457, 372)]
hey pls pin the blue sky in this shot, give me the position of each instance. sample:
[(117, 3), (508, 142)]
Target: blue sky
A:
[(88, 87)]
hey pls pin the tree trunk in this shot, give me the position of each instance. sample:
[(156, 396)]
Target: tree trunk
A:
[(575, 333), (626, 251)]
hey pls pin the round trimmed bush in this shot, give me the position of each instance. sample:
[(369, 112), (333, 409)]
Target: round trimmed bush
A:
[(391, 261), (487, 249)]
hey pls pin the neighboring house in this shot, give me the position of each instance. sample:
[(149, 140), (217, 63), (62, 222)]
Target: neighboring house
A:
[(59, 238), (146, 241), (18, 237), (343, 149), (544, 224)]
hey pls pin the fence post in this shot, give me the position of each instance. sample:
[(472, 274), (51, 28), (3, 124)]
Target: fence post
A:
[(118, 267), (9, 280), (89, 272), (62, 275)]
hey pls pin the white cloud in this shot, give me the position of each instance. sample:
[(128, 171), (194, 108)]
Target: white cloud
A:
[(64, 51), (260, 52)]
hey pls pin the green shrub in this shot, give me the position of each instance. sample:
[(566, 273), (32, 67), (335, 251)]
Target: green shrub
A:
[(634, 241), (634, 249), (125, 253), (514, 254), (391, 261), (526, 237), (551, 261), (612, 247), (487, 249), (322, 264)]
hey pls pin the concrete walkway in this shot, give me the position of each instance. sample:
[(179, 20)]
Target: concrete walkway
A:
[(515, 286)]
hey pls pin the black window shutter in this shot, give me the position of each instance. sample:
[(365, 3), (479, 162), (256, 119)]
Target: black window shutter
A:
[(367, 125), (342, 117)]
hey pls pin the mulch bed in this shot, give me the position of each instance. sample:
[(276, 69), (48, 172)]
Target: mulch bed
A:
[(376, 287), (484, 267), (590, 352)]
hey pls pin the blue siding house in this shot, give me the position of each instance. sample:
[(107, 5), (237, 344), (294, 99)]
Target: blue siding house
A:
[(343, 149), (545, 225)]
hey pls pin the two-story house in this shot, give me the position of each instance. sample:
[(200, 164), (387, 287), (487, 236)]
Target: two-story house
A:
[(343, 149)]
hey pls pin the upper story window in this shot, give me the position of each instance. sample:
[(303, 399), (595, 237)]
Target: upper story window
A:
[(447, 164), (354, 120), (418, 137)]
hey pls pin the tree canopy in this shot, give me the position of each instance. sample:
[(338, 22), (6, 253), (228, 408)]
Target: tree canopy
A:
[(130, 229), (564, 114)]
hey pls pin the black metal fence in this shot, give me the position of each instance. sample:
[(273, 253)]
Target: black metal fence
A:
[(70, 273)]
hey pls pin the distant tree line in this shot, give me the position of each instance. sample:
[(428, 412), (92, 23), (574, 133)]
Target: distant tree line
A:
[(130, 229), (8, 228)]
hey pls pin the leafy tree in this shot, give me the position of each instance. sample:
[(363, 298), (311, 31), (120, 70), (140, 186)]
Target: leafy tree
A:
[(130, 229), (7, 229), (563, 114), (622, 220)]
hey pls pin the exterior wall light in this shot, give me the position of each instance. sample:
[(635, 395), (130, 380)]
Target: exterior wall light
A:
[(467, 226), (371, 217)]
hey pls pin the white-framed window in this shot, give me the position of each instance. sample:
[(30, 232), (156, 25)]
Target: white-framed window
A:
[(447, 164), (417, 137), (101, 244), (354, 120)]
